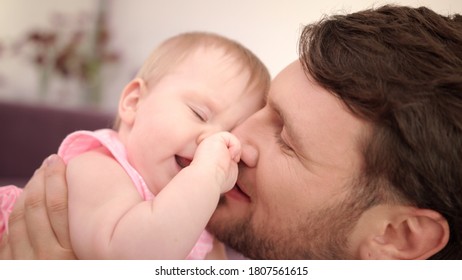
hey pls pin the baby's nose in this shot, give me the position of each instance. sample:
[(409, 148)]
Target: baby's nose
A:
[(208, 132)]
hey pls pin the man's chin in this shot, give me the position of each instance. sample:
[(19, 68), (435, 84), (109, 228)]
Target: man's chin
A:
[(230, 209), (231, 225), (224, 216)]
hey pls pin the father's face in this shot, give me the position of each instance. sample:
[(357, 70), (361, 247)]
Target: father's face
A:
[(300, 156)]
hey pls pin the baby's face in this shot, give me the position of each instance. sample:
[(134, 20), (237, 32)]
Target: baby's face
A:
[(204, 94)]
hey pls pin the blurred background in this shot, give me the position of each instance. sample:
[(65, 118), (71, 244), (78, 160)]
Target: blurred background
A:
[(82, 53)]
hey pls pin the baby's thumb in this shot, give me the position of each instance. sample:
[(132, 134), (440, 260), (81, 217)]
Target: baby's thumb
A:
[(234, 146), (236, 156)]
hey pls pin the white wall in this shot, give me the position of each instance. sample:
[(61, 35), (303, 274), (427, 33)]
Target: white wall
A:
[(268, 27)]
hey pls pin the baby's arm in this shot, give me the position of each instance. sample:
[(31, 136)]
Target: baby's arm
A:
[(108, 219), (100, 195), (195, 190)]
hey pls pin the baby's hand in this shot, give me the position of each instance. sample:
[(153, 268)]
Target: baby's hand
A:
[(218, 155)]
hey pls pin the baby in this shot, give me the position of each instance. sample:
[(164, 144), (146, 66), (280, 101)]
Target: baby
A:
[(147, 189)]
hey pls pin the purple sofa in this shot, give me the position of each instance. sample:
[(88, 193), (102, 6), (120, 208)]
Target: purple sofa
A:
[(29, 133)]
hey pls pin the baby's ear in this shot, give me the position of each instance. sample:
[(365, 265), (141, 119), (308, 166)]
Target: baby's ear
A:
[(407, 233), (129, 100)]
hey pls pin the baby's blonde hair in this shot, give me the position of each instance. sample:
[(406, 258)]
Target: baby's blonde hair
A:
[(174, 50)]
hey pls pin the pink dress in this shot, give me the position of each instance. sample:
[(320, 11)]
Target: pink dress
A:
[(8, 196), (82, 141)]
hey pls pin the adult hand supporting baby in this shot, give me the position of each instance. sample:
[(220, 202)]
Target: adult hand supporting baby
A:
[(38, 225)]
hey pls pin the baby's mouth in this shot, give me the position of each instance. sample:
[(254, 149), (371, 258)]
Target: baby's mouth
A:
[(182, 162)]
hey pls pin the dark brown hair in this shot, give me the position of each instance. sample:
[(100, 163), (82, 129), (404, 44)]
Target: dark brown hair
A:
[(400, 69)]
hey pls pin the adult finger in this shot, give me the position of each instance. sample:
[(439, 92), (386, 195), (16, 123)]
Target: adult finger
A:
[(5, 250), (40, 233), (56, 198), (17, 241)]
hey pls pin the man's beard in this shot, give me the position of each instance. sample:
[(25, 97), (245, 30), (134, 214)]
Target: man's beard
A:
[(320, 235)]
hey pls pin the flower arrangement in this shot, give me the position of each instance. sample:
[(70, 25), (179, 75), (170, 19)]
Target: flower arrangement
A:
[(74, 48)]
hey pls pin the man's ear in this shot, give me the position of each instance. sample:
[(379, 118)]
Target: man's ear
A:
[(406, 233), (129, 100)]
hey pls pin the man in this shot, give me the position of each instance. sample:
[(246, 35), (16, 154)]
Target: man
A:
[(357, 154)]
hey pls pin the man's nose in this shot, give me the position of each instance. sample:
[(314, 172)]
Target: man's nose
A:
[(248, 134)]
